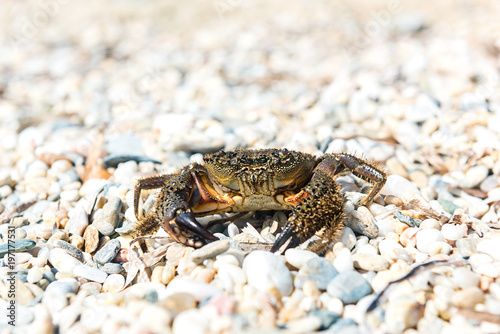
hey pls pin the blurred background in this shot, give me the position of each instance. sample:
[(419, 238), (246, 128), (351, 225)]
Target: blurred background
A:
[(167, 79)]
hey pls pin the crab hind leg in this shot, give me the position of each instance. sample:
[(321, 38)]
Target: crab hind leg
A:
[(364, 169), (320, 205)]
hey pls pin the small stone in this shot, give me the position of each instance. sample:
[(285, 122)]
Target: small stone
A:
[(92, 288), (343, 261), (155, 318), (21, 245), (327, 318), (402, 313), (92, 274), (168, 274), (64, 286), (430, 224), (113, 283), (179, 302), (107, 252), (464, 277), (107, 218), (349, 287), (232, 230), (304, 325), (468, 297), (34, 275), (70, 249), (439, 247), (265, 270), (198, 290), (297, 257), (348, 238), (190, 321), (112, 268), (489, 183), (62, 261), (91, 237), (474, 176), (399, 186), (369, 262), (345, 326), (209, 251), (78, 221), (453, 232), (231, 275), (490, 247), (466, 247), (318, 270), (426, 237)]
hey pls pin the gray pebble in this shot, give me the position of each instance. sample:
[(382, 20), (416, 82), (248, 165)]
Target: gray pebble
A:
[(107, 252), (349, 287), (327, 318), (319, 270), (112, 268), (107, 218), (70, 249), (21, 245), (345, 326), (64, 286), (209, 251), (92, 274)]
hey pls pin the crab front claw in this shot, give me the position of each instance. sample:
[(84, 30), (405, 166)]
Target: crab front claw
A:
[(283, 238), (182, 227)]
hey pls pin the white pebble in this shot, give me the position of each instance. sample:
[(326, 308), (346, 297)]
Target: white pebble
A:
[(366, 249), (265, 270), (399, 186), (335, 305), (113, 283), (426, 237), (474, 176), (198, 289), (343, 260), (464, 277), (190, 321), (231, 275), (430, 223), (34, 275), (62, 261), (348, 238), (439, 247), (232, 230), (490, 247), (297, 257), (453, 232), (92, 274)]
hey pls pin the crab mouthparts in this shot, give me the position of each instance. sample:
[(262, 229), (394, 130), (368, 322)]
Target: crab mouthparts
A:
[(186, 219)]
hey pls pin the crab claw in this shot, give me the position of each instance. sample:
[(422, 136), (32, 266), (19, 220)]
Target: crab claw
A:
[(186, 219), (283, 238)]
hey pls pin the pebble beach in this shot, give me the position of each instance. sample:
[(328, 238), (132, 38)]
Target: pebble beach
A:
[(97, 94)]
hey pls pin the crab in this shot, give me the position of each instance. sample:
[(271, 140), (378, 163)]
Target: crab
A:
[(244, 180)]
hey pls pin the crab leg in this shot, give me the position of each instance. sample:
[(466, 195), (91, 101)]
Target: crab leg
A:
[(365, 170), (320, 205)]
